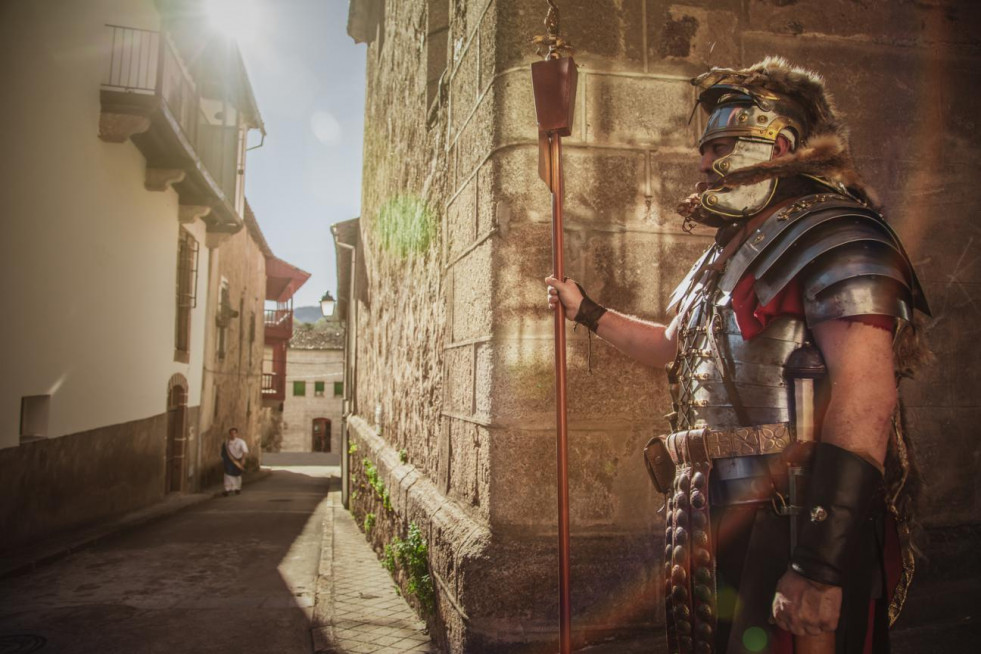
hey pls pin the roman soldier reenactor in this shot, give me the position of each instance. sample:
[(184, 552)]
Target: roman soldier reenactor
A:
[(784, 470)]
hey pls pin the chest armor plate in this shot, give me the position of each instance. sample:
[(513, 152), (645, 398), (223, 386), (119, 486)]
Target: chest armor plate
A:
[(716, 371)]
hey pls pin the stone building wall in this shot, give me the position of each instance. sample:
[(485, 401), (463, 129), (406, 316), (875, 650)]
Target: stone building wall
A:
[(299, 412), (455, 342)]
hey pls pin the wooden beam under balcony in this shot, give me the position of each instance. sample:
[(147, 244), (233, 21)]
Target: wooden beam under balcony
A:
[(172, 161), (161, 179), (117, 128), (188, 213)]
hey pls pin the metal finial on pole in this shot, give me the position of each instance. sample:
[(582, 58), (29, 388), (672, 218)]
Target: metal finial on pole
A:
[(554, 45), (554, 81)]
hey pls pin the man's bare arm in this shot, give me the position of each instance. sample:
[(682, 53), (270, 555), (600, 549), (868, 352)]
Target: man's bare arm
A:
[(650, 343), (863, 387), (859, 358)]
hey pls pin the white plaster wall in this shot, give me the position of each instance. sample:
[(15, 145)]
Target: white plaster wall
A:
[(88, 255), (299, 412)]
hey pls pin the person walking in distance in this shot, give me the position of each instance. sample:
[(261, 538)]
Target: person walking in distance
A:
[(233, 452)]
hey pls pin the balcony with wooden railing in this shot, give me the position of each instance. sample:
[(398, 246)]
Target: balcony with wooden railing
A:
[(279, 324), (274, 371), (273, 386), (193, 142)]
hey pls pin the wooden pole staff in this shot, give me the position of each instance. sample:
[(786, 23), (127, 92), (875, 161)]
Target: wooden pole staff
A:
[(554, 81)]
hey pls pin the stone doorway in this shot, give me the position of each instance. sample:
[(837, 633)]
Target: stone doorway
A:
[(176, 436), (321, 435)]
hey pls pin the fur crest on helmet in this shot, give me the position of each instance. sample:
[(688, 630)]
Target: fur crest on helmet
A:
[(822, 152)]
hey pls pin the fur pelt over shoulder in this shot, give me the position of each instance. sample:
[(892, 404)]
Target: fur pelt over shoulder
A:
[(823, 151)]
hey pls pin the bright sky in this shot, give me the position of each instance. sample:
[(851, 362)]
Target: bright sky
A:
[(309, 80)]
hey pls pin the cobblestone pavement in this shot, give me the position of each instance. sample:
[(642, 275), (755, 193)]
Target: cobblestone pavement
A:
[(357, 604), (228, 574)]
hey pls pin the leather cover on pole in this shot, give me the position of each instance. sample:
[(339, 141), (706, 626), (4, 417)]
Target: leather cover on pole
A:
[(555, 94)]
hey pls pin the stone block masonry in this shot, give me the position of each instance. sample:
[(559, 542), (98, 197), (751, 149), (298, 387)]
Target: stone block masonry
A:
[(454, 341)]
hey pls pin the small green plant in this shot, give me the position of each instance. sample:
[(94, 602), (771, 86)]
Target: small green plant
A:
[(369, 522), (389, 561), (404, 455), (412, 556), (352, 448), (371, 473)]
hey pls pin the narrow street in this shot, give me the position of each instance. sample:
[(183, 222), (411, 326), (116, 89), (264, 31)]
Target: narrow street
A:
[(231, 574)]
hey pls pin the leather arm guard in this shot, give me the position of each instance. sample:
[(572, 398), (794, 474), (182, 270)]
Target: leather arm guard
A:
[(589, 312), (841, 490)]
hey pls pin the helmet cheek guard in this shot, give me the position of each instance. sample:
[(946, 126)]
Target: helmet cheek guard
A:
[(740, 201)]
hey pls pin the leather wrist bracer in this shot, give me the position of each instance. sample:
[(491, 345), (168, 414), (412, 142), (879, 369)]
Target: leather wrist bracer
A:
[(841, 490), (589, 312)]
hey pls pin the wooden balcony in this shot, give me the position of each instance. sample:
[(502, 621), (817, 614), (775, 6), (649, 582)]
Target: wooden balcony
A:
[(273, 387), (192, 143), (279, 325)]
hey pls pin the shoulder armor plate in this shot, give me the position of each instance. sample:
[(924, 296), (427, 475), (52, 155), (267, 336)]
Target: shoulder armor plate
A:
[(860, 296), (845, 240), (769, 232)]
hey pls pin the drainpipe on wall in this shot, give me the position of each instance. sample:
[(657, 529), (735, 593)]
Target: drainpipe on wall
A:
[(350, 367)]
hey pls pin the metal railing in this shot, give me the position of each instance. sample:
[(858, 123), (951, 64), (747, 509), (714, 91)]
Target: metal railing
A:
[(133, 62), (147, 62)]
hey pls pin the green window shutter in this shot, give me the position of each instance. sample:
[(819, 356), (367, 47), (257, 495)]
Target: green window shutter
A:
[(299, 388), (338, 389), (318, 388)]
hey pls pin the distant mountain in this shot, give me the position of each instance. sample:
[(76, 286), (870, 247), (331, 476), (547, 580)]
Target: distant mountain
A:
[(307, 314)]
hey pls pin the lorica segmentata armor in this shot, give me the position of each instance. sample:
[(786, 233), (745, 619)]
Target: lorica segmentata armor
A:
[(729, 390)]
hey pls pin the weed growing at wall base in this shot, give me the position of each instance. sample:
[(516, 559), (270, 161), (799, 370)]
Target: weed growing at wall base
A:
[(412, 556), (371, 472)]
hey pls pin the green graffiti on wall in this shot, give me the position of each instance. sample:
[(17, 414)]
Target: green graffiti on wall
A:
[(405, 225)]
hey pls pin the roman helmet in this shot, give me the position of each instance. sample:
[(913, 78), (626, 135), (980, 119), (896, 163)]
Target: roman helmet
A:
[(755, 106)]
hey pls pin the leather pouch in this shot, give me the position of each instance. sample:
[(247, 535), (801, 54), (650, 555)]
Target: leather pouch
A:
[(659, 464)]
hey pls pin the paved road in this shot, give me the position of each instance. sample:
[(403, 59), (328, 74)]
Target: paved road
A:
[(233, 574)]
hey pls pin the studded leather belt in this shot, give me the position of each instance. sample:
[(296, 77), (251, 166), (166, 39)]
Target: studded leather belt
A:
[(664, 453), (703, 445)]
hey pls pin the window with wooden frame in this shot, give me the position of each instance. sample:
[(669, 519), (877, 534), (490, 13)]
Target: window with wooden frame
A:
[(187, 297)]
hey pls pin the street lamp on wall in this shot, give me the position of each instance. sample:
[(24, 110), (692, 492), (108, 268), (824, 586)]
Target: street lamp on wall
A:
[(327, 305)]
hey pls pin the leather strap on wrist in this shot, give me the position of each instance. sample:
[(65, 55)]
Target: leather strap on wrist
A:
[(841, 490), (589, 312)]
